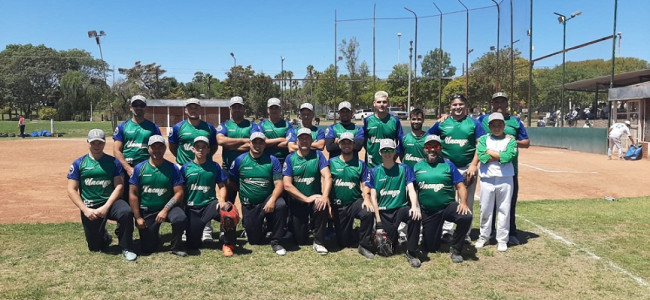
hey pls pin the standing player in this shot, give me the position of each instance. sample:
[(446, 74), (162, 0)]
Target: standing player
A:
[(437, 181), (379, 126), (333, 132), (615, 132), (308, 181), (350, 197), (459, 133), (258, 177), (156, 194), (413, 142), (21, 126), (131, 138), (95, 186), (317, 135), (201, 199), (389, 183), (515, 128), (277, 131)]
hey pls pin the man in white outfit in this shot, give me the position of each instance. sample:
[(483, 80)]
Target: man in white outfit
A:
[(616, 131)]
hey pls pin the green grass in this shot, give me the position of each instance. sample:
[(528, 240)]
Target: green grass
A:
[(68, 128), (51, 261)]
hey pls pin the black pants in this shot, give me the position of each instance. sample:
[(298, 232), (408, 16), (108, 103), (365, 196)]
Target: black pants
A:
[(150, 236), (432, 221), (513, 207), (197, 218), (253, 221), (95, 230), (344, 216), (301, 214), (22, 131), (390, 220)]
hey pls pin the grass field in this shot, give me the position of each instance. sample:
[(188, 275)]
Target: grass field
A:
[(48, 261), (68, 128)]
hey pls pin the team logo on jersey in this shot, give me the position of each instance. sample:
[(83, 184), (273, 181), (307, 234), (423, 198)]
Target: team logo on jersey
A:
[(327, 131), (341, 183), (196, 187), (305, 180), (71, 170), (459, 142), (158, 191), (410, 157), (187, 147), (392, 193), (430, 186), (116, 131), (219, 128), (93, 182)]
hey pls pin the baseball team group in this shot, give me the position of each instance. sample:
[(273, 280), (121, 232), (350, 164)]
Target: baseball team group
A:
[(411, 192)]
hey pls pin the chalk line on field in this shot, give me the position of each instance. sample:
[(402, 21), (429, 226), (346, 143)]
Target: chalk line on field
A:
[(611, 264), (555, 171)]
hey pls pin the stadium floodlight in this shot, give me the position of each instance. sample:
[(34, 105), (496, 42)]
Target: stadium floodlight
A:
[(563, 19)]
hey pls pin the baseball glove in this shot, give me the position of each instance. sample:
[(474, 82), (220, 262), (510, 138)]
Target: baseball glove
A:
[(383, 243), (229, 218), (468, 181)]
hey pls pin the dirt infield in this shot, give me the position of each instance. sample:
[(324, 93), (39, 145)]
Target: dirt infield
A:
[(34, 188)]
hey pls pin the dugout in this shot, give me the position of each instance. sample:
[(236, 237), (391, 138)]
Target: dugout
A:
[(166, 113)]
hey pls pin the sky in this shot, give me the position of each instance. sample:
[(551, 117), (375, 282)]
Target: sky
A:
[(188, 36)]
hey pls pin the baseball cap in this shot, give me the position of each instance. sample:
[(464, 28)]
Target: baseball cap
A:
[(495, 116), (96, 135), (138, 98), (201, 139), (345, 104), (307, 106), (386, 143), (156, 139), (628, 123), (432, 137), (272, 102), (192, 101), (346, 136), (236, 100), (257, 135), (304, 130), (499, 95)]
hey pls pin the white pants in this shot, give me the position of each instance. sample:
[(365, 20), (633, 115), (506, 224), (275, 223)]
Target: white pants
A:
[(448, 227), (496, 191), (615, 141)]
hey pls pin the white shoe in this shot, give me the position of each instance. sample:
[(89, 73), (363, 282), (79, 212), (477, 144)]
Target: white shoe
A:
[(320, 249), (278, 249), (480, 243), (502, 247)]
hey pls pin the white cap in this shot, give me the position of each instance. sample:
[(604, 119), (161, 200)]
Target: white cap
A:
[(192, 101), (96, 135), (345, 104), (628, 123), (304, 130), (138, 98), (156, 139), (495, 116), (347, 136), (201, 139), (272, 102), (432, 137), (386, 143), (307, 106), (499, 95), (257, 135), (236, 100)]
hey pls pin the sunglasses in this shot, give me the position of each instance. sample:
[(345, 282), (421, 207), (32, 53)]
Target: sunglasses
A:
[(430, 147), (139, 105), (387, 150)]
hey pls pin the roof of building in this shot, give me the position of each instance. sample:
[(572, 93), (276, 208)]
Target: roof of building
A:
[(632, 92), (181, 103), (602, 83)]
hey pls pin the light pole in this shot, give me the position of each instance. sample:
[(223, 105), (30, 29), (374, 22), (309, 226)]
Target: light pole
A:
[(399, 44), (563, 19), (466, 51), (408, 97), (439, 65), (415, 69), (235, 59), (496, 87), (97, 36), (282, 77)]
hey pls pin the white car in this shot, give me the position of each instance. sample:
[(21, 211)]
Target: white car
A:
[(397, 112), (362, 114), (330, 115)]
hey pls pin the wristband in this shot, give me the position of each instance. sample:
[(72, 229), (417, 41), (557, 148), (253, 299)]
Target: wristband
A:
[(171, 203)]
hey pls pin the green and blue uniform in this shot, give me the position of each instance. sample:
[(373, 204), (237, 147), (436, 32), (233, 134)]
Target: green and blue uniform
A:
[(280, 129), (390, 185), (458, 139), (346, 180), (135, 138), (156, 184), (317, 134), (95, 178), (229, 128), (183, 135), (200, 182), (256, 177), (413, 149), (376, 129), (436, 183), (334, 132)]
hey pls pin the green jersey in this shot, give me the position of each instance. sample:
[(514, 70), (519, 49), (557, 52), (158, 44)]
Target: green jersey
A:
[(135, 139), (95, 178), (256, 177), (376, 129), (234, 130), (156, 184), (346, 180), (305, 171), (458, 139), (436, 183), (201, 182), (183, 135), (413, 149), (281, 129), (514, 127), (334, 132), (390, 185), (317, 134)]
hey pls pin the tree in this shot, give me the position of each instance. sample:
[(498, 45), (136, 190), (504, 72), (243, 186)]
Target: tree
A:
[(430, 82), (147, 78), (397, 83)]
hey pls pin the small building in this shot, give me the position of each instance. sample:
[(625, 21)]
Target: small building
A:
[(166, 113)]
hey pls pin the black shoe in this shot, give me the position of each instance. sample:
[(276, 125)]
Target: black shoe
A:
[(455, 256), (366, 253), (413, 260), (180, 253), (194, 252), (108, 240), (446, 238)]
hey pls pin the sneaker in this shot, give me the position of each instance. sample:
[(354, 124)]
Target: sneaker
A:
[(129, 256), (228, 250), (480, 243), (513, 240), (207, 236), (455, 256), (320, 249), (366, 253), (502, 247), (278, 249), (180, 253), (468, 239), (413, 260)]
